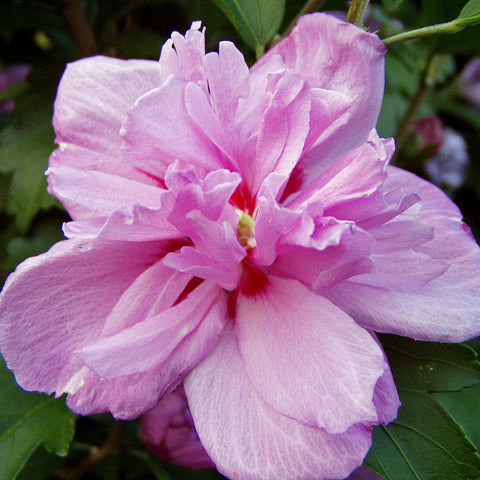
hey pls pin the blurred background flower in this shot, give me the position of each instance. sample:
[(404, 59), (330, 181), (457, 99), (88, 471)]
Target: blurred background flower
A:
[(9, 76)]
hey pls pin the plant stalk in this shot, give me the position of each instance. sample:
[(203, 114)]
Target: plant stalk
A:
[(75, 16), (96, 455), (356, 12), (439, 28), (424, 87)]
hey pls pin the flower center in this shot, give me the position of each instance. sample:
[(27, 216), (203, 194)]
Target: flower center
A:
[(246, 231)]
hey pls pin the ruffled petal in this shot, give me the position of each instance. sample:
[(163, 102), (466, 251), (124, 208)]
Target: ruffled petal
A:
[(93, 98), (100, 193), (283, 128), (159, 130), (128, 397), (134, 224), (228, 81), (199, 108), (352, 187), (307, 358), (75, 284), (149, 343), (357, 71), (443, 309), (272, 221), (210, 196), (110, 207), (337, 251), (152, 292), (183, 55), (202, 213), (248, 439)]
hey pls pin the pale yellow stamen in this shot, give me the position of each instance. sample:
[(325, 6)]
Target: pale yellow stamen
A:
[(246, 231)]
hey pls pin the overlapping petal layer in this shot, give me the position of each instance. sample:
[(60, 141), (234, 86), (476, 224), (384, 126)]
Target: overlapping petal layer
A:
[(245, 436), (289, 339), (64, 284), (438, 301)]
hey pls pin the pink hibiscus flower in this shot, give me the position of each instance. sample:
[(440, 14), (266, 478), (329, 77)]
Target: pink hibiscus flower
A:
[(240, 231)]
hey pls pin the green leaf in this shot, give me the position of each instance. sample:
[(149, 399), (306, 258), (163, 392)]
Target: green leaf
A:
[(464, 407), (27, 421), (41, 465), (427, 366), (137, 44), (439, 11), (24, 150), (257, 21), (470, 12), (424, 443), (43, 235)]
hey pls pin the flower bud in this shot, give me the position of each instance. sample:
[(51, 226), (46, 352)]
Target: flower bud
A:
[(169, 433)]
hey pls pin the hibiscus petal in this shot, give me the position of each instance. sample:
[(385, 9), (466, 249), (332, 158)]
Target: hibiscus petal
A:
[(386, 399), (74, 156), (169, 433), (282, 130), (228, 81), (135, 224), (129, 396), (249, 108), (183, 55), (248, 439), (78, 283), (194, 262), (272, 221), (159, 130), (149, 343), (209, 196), (152, 292), (336, 252), (215, 112), (307, 358), (125, 397), (94, 96), (199, 108), (351, 188), (446, 308), (99, 192), (401, 235), (405, 270), (327, 112), (357, 72)]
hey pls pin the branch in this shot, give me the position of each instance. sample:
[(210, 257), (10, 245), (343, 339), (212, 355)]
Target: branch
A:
[(75, 16), (356, 12), (97, 455), (439, 28)]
